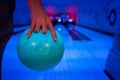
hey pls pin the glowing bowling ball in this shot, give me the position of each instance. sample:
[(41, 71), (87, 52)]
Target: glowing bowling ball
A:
[(40, 51)]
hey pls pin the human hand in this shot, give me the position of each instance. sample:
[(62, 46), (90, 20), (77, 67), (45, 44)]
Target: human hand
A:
[(40, 20)]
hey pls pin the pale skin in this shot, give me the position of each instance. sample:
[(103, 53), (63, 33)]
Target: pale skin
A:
[(39, 19)]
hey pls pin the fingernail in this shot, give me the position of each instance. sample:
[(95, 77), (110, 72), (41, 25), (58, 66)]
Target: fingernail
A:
[(54, 39), (28, 36)]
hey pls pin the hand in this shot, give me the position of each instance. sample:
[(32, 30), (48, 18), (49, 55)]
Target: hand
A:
[(40, 20)]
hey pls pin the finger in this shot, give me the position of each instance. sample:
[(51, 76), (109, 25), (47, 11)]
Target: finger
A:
[(52, 31), (44, 27), (38, 26), (31, 29)]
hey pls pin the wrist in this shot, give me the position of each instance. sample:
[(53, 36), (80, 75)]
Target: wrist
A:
[(35, 5)]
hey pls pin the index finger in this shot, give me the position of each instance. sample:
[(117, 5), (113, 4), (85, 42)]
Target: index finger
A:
[(30, 30)]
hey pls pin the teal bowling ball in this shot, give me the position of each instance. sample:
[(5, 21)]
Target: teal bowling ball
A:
[(40, 52)]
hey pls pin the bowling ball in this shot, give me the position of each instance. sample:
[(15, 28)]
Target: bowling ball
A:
[(40, 51)]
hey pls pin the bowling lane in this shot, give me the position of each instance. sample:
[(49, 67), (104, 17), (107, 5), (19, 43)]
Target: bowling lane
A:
[(76, 35), (81, 58)]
